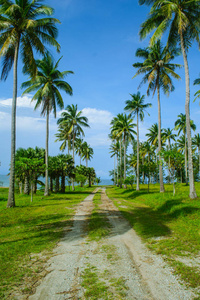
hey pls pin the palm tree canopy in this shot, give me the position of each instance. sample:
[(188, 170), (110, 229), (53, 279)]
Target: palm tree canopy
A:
[(197, 94), (123, 127), (47, 83), (22, 25), (196, 140), (157, 67), (73, 120), (179, 17), (168, 135), (153, 135), (136, 105), (180, 124), (87, 151)]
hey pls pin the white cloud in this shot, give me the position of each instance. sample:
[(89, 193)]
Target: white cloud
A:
[(98, 117), (23, 123), (98, 139), (24, 102), (30, 124)]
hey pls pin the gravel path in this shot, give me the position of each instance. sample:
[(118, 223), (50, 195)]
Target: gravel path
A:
[(121, 261)]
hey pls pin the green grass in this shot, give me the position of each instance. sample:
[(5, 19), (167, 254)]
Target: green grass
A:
[(98, 285), (29, 229), (169, 225), (98, 226)]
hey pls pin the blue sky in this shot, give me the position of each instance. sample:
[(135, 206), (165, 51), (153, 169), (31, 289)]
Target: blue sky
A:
[(98, 40)]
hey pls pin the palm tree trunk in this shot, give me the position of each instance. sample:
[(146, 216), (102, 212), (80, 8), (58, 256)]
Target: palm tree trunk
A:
[(27, 185), (114, 171), (193, 194), (120, 164), (162, 189), (199, 159), (63, 183), (46, 191), (11, 195), (186, 174), (73, 158), (138, 159), (117, 170), (125, 186), (169, 163), (57, 185), (51, 184)]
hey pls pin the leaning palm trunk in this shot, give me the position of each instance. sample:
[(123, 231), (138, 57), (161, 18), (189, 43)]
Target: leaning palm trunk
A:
[(125, 186), (138, 160), (162, 189), (11, 195), (46, 191), (186, 173), (188, 128)]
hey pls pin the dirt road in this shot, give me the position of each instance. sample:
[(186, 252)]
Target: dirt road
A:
[(117, 266)]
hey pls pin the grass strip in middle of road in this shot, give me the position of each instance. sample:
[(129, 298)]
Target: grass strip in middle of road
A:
[(98, 226)]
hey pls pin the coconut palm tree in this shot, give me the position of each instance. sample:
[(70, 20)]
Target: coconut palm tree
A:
[(157, 69), (64, 137), (180, 125), (114, 150), (73, 121), (181, 19), (123, 128), (196, 142), (87, 152), (137, 107), (25, 27), (168, 136), (78, 145), (197, 94), (47, 83)]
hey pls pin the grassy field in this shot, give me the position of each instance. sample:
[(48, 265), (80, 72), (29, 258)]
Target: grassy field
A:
[(29, 232), (169, 225)]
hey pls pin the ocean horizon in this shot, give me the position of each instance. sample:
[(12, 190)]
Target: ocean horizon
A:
[(4, 181)]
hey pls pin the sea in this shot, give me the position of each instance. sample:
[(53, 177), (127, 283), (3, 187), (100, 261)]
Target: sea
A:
[(4, 181)]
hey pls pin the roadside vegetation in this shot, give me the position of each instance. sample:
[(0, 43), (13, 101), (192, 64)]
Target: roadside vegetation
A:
[(170, 225), (28, 234)]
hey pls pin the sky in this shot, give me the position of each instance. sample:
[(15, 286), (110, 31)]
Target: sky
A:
[(98, 41)]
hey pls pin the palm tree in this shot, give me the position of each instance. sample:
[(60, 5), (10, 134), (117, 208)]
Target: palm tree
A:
[(47, 83), (87, 152), (79, 147), (157, 68), (123, 127), (73, 121), (168, 136), (23, 30), (114, 150), (64, 137), (196, 142), (181, 19), (197, 94), (137, 107), (180, 125)]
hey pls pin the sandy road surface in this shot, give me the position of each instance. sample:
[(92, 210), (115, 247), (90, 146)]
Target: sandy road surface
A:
[(120, 255)]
